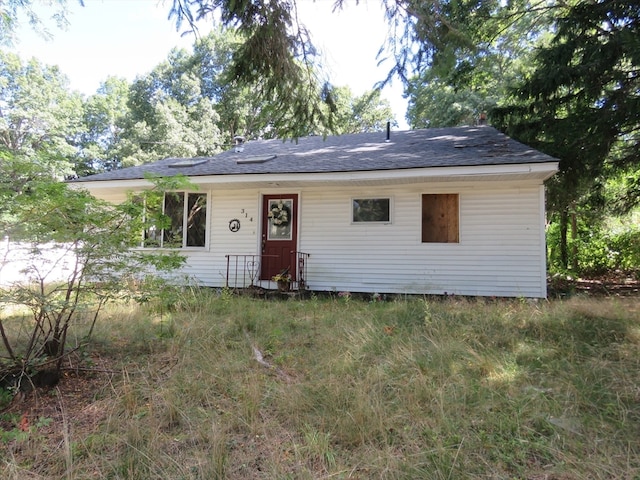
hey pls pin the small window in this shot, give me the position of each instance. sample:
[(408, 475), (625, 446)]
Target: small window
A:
[(440, 218), (184, 224), (280, 219), (371, 210)]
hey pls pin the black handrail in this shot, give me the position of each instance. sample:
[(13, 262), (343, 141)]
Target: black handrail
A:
[(243, 271)]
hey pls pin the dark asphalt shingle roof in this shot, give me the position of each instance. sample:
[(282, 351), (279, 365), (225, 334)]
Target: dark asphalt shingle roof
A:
[(436, 147)]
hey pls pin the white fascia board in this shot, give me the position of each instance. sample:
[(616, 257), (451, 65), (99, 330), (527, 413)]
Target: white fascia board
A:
[(535, 170), (136, 184)]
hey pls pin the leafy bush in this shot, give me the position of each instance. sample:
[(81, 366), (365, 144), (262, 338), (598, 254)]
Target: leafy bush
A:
[(601, 252), (55, 224), (597, 250)]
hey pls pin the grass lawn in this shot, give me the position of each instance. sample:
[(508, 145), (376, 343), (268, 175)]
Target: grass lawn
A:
[(228, 387)]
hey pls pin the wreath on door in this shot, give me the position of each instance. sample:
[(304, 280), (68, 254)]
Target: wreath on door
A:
[(279, 214)]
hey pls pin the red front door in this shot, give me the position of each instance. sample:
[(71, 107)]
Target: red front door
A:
[(279, 235)]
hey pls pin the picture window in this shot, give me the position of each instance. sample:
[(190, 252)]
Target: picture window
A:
[(184, 222)]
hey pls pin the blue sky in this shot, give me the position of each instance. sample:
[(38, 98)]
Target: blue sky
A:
[(127, 38)]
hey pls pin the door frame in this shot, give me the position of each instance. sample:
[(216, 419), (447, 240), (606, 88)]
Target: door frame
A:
[(267, 268)]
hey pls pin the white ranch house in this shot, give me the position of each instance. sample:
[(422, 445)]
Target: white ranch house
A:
[(455, 210)]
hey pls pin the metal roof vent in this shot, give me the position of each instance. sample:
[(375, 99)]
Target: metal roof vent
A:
[(239, 143)]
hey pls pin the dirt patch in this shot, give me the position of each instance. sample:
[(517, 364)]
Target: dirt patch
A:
[(615, 284), (73, 405)]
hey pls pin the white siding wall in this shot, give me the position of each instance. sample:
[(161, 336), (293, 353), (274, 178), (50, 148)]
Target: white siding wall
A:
[(209, 266), (501, 250), (498, 254)]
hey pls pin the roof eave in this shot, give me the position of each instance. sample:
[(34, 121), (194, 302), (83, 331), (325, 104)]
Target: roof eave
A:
[(533, 171)]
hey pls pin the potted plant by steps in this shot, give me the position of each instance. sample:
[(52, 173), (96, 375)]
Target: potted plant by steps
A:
[(283, 280)]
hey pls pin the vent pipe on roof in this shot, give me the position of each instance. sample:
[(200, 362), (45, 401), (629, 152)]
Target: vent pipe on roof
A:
[(388, 132), (239, 143)]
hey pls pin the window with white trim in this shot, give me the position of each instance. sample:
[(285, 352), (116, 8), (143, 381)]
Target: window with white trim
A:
[(185, 222)]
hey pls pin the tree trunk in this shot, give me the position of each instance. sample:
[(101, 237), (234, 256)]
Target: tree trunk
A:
[(574, 241), (564, 251)]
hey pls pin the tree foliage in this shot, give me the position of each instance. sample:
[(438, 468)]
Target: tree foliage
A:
[(475, 47), (465, 79), (168, 115), (581, 104), (104, 117), (435, 104), (39, 121), (357, 114), (193, 104), (276, 56), (240, 107), (62, 231), (37, 110), (12, 10)]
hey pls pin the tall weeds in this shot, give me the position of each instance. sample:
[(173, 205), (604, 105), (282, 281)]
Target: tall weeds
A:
[(413, 388)]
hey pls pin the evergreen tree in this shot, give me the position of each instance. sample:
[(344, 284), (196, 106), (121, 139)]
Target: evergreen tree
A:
[(581, 104)]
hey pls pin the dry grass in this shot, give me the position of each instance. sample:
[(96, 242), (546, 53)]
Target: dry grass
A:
[(405, 389)]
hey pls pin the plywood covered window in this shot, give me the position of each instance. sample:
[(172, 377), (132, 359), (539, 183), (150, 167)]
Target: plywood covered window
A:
[(440, 218)]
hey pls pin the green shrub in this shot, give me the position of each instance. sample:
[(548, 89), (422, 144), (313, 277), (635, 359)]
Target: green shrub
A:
[(598, 250)]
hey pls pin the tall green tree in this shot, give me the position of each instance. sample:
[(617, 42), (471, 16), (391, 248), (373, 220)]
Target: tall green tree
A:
[(491, 49), (276, 56), (39, 116), (238, 105), (434, 104), (582, 105), (358, 114), (104, 116), (168, 115), (243, 108), (240, 108), (466, 44)]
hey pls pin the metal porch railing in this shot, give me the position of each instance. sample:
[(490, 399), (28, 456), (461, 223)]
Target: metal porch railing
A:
[(243, 271)]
